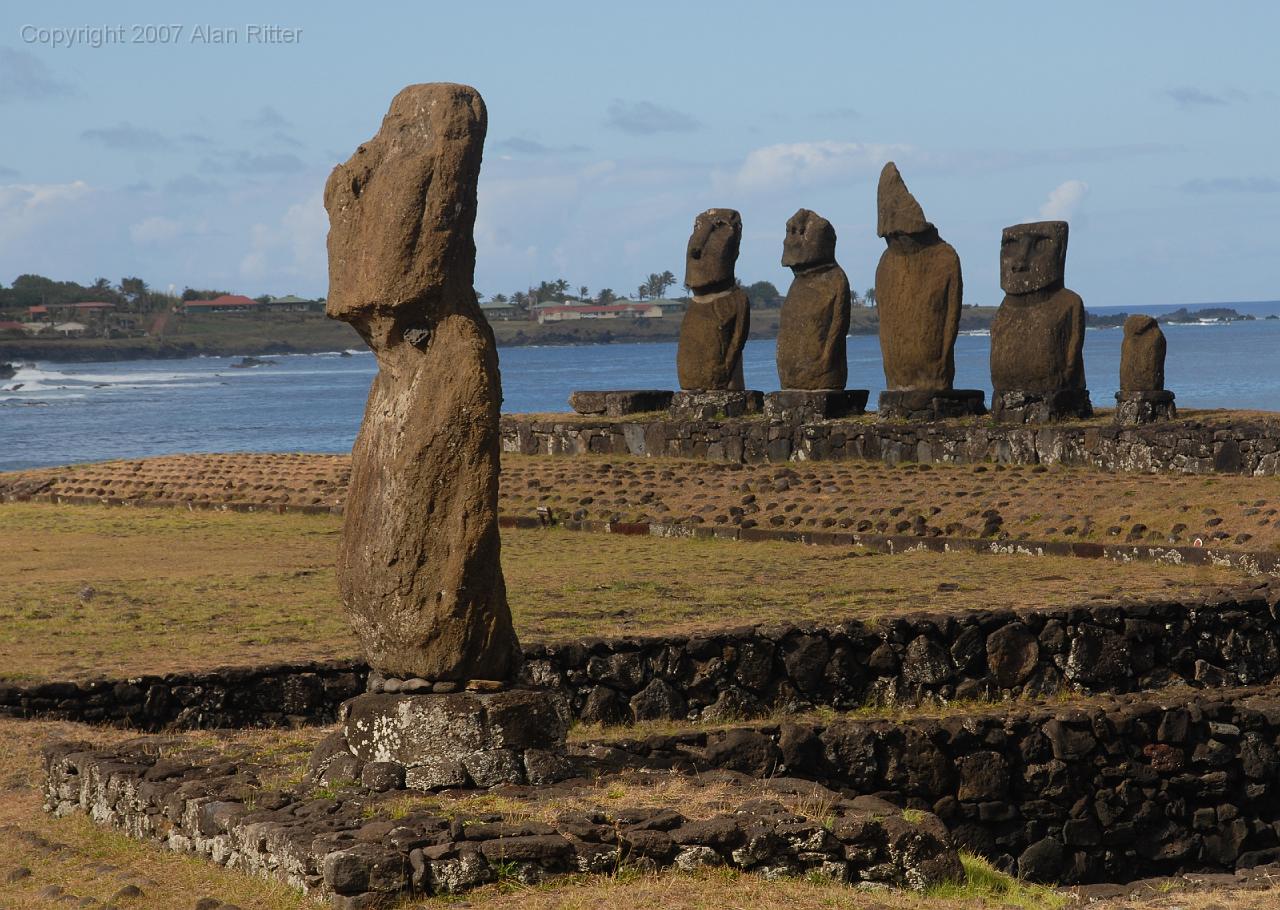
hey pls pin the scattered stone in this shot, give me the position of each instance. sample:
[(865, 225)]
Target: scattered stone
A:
[(620, 403)]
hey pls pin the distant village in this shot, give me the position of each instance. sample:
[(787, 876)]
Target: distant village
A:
[(36, 307)]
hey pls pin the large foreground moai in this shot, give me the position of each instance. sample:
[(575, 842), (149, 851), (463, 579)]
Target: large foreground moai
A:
[(418, 565), (715, 326), (919, 294), (1142, 397), (1037, 336)]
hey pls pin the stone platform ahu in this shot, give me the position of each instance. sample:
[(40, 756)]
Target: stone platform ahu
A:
[(419, 565)]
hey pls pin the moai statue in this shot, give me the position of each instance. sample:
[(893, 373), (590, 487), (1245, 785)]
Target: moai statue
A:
[(1037, 336), (1142, 397), (813, 365), (815, 315), (919, 294), (419, 566), (715, 327)]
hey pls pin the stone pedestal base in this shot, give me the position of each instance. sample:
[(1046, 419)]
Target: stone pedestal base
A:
[(621, 402), (931, 404), (438, 741), (1015, 406), (715, 404), (805, 405), (1134, 408)]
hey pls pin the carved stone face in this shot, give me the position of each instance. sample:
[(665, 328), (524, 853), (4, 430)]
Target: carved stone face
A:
[(1033, 256), (810, 240), (713, 248)]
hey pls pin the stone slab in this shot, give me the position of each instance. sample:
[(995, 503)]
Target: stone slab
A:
[(715, 404), (804, 405), (455, 739), (1135, 408), (620, 402), (1018, 406), (931, 404)]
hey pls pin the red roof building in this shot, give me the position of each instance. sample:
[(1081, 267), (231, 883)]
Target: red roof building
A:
[(227, 303), (598, 311)]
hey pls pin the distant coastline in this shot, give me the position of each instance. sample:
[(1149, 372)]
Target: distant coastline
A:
[(315, 335)]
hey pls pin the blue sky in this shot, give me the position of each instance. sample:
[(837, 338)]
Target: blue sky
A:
[(1152, 127)]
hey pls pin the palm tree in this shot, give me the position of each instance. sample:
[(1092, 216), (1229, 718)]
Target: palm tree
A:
[(870, 296)]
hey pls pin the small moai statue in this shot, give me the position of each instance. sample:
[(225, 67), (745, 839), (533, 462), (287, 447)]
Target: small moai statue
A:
[(919, 295), (813, 364), (815, 316), (1037, 336), (1142, 397), (716, 324), (715, 327)]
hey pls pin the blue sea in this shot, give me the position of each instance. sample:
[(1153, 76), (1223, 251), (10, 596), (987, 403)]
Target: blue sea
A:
[(53, 414)]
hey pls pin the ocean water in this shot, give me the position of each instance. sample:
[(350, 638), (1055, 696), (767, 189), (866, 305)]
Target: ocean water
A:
[(53, 414)]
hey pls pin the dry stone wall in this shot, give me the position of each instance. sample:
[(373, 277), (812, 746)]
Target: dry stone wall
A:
[(1129, 787), (338, 844), (737, 673), (1188, 446)]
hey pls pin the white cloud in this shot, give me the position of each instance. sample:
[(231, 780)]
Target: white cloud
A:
[(1063, 200), (153, 230), (27, 198), (294, 248), (794, 164)]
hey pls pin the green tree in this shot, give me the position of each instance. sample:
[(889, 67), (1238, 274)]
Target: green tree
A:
[(135, 292), (763, 295), (606, 296), (202, 294), (656, 284), (870, 296)]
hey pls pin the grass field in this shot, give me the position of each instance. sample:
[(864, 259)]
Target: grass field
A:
[(1012, 502), (92, 591)]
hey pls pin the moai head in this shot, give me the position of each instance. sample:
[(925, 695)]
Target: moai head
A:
[(810, 241), (713, 249), (1033, 256), (898, 212), (401, 215)]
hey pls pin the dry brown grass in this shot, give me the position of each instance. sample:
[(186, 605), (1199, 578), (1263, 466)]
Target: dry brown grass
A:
[(1042, 504), (97, 862), (175, 590)]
